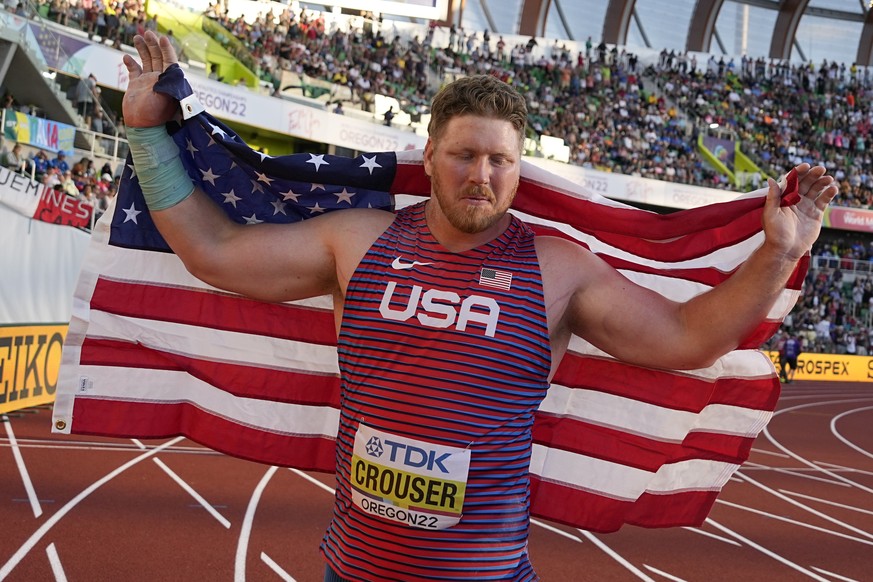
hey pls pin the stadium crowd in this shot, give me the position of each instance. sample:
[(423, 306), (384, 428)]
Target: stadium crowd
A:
[(614, 114)]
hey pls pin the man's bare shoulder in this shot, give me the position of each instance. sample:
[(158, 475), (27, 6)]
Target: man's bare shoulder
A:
[(356, 222)]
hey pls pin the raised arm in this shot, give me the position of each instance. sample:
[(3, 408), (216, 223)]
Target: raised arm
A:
[(640, 326), (265, 261)]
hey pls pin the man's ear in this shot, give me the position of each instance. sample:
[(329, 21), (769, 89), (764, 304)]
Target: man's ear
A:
[(428, 158)]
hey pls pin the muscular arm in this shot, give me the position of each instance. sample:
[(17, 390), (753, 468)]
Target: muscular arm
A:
[(640, 326), (270, 262)]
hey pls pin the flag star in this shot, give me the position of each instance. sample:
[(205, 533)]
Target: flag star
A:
[(316, 208), (264, 178), (231, 197), (217, 130), (208, 176), (131, 213), (211, 142), (265, 156), (256, 187), (191, 149), (344, 196), (370, 164), (291, 195), (232, 165), (278, 206), (316, 187), (132, 170), (317, 160), (253, 219)]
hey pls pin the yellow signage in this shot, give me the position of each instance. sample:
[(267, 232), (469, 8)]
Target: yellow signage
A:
[(831, 367), (30, 357)]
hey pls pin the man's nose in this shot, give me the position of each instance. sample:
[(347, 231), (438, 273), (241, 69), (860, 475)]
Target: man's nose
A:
[(480, 172)]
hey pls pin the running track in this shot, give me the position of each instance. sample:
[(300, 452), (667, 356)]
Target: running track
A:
[(91, 509)]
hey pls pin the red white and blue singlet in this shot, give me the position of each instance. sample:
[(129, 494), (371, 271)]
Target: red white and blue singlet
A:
[(444, 358)]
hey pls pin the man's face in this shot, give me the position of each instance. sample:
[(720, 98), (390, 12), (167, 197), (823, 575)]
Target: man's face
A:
[(474, 167)]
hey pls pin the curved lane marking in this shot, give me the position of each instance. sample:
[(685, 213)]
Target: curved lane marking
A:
[(846, 441), (50, 522), (242, 546), (798, 458)]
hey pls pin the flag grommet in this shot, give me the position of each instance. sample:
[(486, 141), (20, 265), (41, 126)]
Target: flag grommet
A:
[(60, 424)]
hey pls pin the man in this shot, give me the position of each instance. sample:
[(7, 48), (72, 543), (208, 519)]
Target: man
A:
[(462, 474), (788, 355)]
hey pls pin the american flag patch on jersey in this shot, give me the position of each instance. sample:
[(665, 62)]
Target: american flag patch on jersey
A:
[(495, 278)]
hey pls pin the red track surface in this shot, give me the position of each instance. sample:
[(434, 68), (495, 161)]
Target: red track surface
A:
[(88, 509)]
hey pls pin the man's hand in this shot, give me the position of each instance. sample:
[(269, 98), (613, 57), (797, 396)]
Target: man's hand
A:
[(142, 107), (792, 230)]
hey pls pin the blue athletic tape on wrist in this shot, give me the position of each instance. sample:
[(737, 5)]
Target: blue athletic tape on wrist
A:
[(161, 175)]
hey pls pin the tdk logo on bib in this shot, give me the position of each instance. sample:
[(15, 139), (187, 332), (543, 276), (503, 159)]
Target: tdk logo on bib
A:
[(374, 447), (412, 456)]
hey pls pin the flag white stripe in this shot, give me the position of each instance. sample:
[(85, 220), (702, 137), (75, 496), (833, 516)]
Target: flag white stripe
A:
[(217, 346), (650, 420), (618, 481), (170, 386)]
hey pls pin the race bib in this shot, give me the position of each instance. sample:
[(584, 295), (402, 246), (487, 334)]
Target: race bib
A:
[(409, 481)]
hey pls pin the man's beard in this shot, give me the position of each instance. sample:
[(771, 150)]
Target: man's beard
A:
[(468, 218)]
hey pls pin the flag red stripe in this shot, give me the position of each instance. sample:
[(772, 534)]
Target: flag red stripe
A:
[(216, 310), (297, 387), (624, 448), (570, 506), (149, 420), (664, 388)]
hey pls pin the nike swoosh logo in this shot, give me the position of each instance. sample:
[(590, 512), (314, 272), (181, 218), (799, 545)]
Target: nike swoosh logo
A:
[(401, 266)]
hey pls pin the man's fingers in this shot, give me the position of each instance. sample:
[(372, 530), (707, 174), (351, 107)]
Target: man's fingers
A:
[(133, 68), (154, 52), (146, 59), (168, 53)]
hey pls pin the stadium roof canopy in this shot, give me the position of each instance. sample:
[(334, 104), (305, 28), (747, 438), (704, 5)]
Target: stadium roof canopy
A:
[(799, 30)]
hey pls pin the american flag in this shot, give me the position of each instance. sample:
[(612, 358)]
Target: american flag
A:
[(153, 352), (495, 278)]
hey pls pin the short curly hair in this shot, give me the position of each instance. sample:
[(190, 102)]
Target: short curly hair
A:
[(480, 95)]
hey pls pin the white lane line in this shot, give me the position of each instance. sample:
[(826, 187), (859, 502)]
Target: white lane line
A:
[(697, 530), (826, 501), (277, 568), (765, 551), (663, 574), (842, 468), (846, 441), (832, 575), (800, 472), (190, 490), (553, 529), (242, 546), (55, 561), (795, 522), (22, 469), (807, 508), (775, 454), (50, 522), (313, 480), (609, 552)]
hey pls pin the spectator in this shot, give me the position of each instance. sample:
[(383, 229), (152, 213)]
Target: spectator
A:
[(41, 165), (389, 116), (84, 100), (60, 163), (13, 159)]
